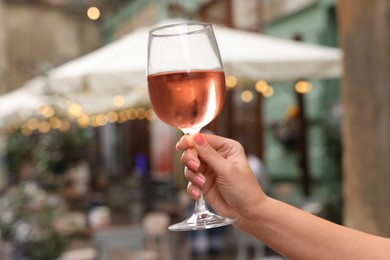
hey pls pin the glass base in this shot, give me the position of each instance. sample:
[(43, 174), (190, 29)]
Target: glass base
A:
[(200, 221)]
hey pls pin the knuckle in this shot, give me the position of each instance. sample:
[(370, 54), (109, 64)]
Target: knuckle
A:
[(208, 151), (237, 144)]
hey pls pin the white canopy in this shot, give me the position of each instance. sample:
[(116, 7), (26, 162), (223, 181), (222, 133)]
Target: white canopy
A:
[(119, 68), (121, 65), (20, 104)]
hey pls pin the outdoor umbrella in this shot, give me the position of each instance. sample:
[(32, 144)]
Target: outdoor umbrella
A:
[(119, 68)]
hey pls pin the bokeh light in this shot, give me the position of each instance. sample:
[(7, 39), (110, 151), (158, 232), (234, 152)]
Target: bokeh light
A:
[(246, 96), (93, 13), (118, 100), (303, 86), (231, 81), (269, 92), (261, 86)]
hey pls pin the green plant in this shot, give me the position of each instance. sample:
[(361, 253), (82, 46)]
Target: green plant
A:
[(49, 153)]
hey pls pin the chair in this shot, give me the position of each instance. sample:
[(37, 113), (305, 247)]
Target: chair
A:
[(125, 241), (155, 225)]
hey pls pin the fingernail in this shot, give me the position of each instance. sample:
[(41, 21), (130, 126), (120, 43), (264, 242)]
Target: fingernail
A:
[(192, 165), (199, 180), (195, 194), (199, 139)]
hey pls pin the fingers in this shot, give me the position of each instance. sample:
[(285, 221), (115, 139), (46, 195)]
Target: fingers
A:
[(196, 182), (185, 142), (202, 148), (207, 153), (190, 159), (193, 191), (193, 167)]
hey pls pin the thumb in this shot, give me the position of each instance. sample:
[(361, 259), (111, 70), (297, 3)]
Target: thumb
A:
[(207, 153)]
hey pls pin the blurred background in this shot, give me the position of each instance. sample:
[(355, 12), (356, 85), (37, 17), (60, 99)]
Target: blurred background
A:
[(87, 171)]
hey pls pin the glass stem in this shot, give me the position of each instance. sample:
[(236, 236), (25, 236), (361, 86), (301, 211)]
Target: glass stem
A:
[(200, 204)]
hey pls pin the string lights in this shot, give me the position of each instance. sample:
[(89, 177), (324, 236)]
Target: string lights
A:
[(48, 117), (247, 96), (63, 123)]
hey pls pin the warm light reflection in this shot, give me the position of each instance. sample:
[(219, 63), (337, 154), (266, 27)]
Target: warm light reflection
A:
[(75, 109), (303, 87), (131, 113), (32, 124), (93, 13), (231, 81), (141, 113), (151, 115), (269, 92), (83, 121), (101, 120), (46, 110), (118, 101), (44, 127), (93, 121), (55, 122), (261, 86), (112, 117), (246, 96), (122, 116)]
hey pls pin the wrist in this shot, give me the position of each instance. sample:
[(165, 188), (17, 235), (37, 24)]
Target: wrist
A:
[(253, 216)]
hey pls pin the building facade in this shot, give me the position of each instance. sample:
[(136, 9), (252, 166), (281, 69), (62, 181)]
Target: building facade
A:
[(35, 37)]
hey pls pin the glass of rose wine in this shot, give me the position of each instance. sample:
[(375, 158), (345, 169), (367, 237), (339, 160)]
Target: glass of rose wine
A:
[(186, 84)]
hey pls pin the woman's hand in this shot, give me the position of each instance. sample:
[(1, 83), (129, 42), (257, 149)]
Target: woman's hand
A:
[(219, 167)]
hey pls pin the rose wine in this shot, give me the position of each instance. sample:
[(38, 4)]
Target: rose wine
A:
[(187, 100)]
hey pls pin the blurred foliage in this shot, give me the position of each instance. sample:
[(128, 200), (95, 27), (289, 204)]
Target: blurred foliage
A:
[(36, 223), (286, 131), (49, 153)]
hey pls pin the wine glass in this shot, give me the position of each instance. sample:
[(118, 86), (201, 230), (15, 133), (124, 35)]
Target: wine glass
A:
[(186, 84)]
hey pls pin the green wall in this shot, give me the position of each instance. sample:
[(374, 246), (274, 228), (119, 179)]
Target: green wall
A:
[(315, 24)]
